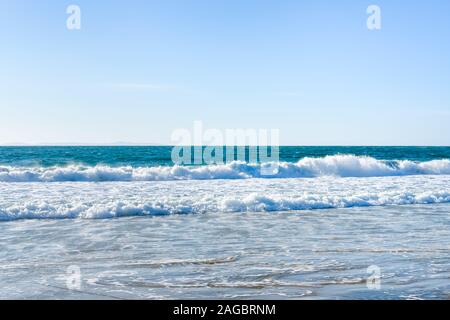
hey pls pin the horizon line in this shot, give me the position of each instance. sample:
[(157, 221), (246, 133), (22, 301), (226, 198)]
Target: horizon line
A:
[(129, 144)]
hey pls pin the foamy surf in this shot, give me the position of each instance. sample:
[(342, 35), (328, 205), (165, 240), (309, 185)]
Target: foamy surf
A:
[(87, 200), (337, 165)]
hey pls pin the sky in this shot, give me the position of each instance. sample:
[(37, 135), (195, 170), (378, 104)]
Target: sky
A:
[(138, 70)]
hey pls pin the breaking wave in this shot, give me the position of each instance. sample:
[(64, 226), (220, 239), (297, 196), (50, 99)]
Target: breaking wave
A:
[(338, 165), (251, 203)]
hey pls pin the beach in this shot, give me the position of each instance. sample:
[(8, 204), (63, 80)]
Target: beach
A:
[(231, 150), (315, 254)]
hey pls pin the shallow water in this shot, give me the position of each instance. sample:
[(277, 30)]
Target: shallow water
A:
[(309, 254)]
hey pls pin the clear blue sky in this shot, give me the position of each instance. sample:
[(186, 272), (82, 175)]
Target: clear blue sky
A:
[(137, 70)]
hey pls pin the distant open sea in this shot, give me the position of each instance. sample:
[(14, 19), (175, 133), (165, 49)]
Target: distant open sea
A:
[(137, 226)]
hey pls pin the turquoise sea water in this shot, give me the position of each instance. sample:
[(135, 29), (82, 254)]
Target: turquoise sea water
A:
[(161, 155)]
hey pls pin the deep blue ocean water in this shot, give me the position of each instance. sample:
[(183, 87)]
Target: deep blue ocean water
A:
[(138, 156)]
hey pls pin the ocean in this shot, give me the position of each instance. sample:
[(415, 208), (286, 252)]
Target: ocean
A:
[(125, 222)]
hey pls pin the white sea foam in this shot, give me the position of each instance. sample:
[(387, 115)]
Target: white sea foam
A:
[(118, 199), (338, 165)]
